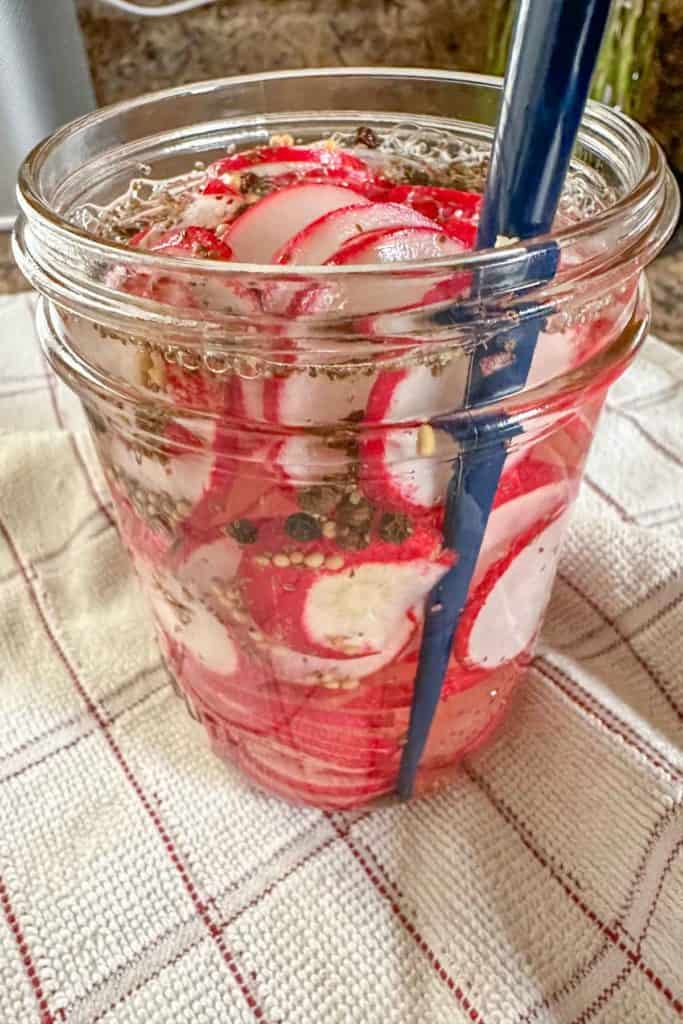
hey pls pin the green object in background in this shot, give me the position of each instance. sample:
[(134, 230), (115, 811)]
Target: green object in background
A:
[(622, 75)]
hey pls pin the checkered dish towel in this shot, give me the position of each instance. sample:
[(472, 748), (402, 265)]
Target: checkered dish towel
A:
[(141, 881)]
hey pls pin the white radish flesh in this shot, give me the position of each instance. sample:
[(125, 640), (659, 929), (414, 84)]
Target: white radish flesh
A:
[(296, 667), (259, 233), (516, 517), (510, 613), (361, 610), (322, 238)]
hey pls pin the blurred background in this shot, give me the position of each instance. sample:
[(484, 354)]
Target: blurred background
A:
[(127, 48)]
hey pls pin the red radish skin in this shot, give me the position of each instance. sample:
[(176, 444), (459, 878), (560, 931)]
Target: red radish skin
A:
[(218, 187), (418, 394), (437, 203), (503, 615), (263, 229), (193, 241), (270, 160), (350, 605), (462, 230), (395, 474)]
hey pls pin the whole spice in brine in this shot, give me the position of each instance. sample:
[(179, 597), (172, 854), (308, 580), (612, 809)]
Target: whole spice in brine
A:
[(302, 526), (243, 531)]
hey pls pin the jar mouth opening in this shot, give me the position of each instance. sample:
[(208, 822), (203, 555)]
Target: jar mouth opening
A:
[(604, 130)]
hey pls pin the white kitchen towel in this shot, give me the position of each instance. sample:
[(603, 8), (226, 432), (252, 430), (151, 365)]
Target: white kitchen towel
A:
[(142, 881)]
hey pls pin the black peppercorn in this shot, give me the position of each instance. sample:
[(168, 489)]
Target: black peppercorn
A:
[(394, 527), (355, 512), (243, 531), (319, 500), (365, 136), (350, 539), (301, 526)]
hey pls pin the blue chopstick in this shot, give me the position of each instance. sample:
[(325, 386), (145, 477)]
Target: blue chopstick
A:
[(552, 56)]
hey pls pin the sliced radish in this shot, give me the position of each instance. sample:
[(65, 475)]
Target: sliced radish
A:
[(370, 187), (296, 779), (290, 788), (358, 612), (214, 561), (218, 187), (191, 626), (275, 161), (305, 460), (322, 238), (520, 513), (465, 720), (307, 669), (185, 240), (263, 229), (249, 399), (419, 393), (337, 603), (463, 230), (538, 482), (300, 400), (394, 474), (238, 486), (437, 203), (119, 356), (277, 706), (180, 477), (554, 355), (378, 293), (144, 543), (559, 352), (336, 749), (504, 614), (397, 245), (314, 767)]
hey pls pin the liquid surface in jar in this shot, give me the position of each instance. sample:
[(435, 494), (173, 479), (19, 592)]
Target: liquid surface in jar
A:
[(260, 205)]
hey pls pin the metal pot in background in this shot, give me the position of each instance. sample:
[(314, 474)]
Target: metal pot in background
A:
[(44, 81)]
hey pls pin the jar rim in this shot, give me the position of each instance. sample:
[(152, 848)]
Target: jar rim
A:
[(654, 181)]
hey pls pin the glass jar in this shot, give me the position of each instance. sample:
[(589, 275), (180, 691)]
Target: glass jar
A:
[(278, 440)]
